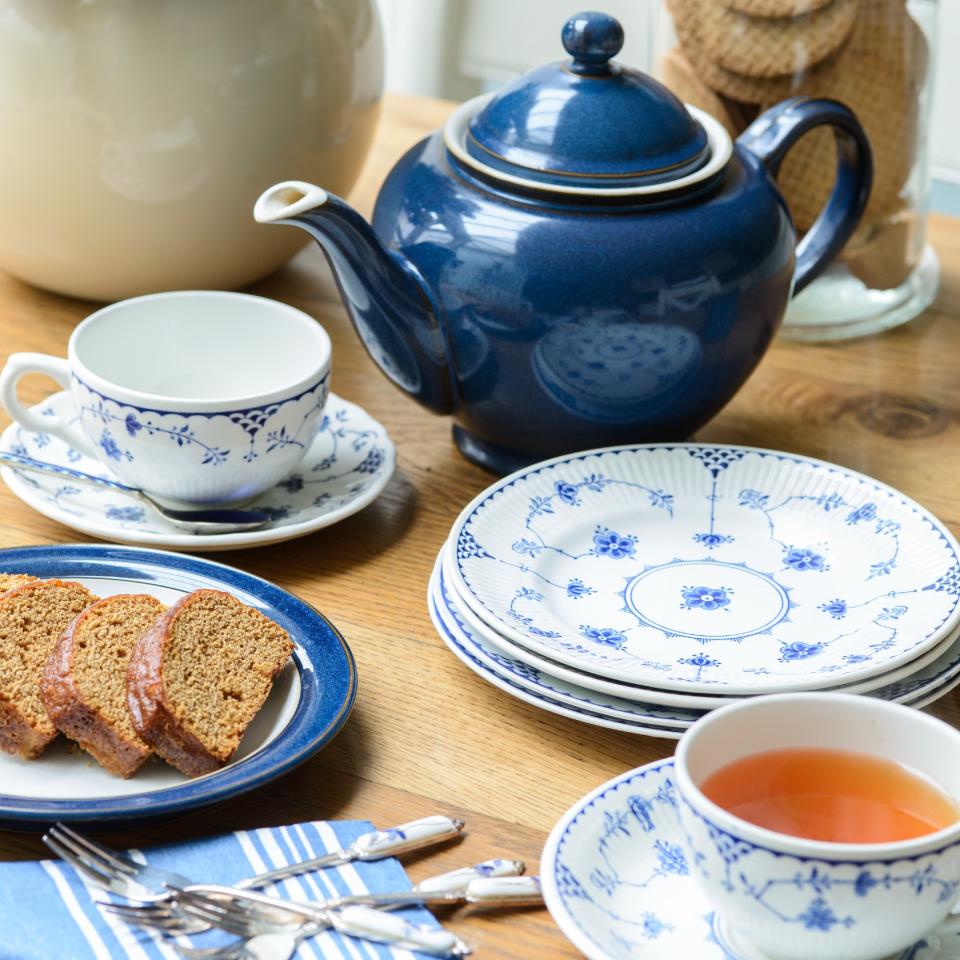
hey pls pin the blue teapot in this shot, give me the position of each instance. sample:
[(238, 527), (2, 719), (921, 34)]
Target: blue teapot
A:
[(578, 259)]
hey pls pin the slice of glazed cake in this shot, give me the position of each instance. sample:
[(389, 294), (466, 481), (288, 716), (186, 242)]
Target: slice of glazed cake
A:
[(200, 674)]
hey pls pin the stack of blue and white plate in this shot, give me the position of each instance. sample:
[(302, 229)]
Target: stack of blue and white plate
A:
[(638, 587)]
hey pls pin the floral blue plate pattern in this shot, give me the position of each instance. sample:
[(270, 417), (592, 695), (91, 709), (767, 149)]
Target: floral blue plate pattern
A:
[(929, 676), (454, 642), (309, 702), (347, 464), (543, 684), (540, 687), (711, 569), (616, 878)]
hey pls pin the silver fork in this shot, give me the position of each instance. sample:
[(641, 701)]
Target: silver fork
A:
[(170, 919), (121, 874), (268, 940), (262, 941)]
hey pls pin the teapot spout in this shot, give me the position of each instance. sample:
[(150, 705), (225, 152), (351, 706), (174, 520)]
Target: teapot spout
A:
[(391, 308)]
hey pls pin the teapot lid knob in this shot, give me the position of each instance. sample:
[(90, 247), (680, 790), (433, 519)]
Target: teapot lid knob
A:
[(592, 39)]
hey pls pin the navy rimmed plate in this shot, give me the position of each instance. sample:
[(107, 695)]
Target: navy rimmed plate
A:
[(309, 702)]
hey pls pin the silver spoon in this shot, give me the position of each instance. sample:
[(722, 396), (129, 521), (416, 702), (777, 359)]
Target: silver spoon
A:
[(197, 521)]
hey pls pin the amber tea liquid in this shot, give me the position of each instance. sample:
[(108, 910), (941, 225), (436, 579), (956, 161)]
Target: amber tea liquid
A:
[(832, 795)]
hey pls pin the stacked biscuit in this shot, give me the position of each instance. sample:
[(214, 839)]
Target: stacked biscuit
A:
[(736, 58), (125, 677)]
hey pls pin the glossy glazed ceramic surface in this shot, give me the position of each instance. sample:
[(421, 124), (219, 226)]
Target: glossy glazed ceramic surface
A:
[(309, 704), (545, 689), (171, 117), (916, 683), (589, 120), (491, 662), (618, 880), (171, 393), (570, 324), (608, 326), (801, 899), (578, 259), (711, 569), (346, 466)]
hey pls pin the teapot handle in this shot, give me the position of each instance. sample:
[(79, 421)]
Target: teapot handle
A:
[(774, 132)]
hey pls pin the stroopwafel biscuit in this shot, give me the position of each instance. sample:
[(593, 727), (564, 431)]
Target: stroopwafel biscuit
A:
[(880, 77), (773, 47), (774, 8), (675, 71), (728, 83)]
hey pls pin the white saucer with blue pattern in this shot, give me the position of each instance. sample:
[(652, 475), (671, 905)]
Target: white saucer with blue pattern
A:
[(347, 465), (708, 569), (616, 879)]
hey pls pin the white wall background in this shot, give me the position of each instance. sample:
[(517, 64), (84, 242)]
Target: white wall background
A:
[(458, 48)]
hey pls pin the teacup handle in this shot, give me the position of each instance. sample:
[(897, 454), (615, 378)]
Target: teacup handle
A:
[(58, 369), (775, 131)]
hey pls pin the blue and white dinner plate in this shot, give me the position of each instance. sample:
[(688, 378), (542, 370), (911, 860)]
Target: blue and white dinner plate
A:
[(542, 684), (929, 673), (708, 569), (309, 702), (459, 645), (349, 462), (541, 687), (616, 879)]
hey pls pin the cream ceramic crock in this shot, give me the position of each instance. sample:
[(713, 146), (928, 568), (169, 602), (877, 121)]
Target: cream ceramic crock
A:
[(136, 134)]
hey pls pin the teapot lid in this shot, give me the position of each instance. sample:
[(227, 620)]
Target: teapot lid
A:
[(588, 124)]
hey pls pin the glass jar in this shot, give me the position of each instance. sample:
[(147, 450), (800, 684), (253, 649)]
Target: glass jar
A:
[(735, 58)]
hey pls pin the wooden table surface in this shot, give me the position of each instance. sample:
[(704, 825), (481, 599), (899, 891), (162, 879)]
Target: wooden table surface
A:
[(427, 735)]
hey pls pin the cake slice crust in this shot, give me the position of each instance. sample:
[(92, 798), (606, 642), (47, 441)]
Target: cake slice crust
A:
[(199, 675), (84, 685), (10, 581), (32, 618)]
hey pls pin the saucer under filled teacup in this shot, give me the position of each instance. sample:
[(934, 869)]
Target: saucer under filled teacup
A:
[(195, 397), (793, 895)]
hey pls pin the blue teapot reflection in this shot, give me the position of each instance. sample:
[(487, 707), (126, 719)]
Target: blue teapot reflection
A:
[(580, 260), (613, 370)]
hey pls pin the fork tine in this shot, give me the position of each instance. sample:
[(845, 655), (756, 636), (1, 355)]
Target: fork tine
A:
[(78, 852), (77, 862), (170, 924), (133, 914), (242, 928), (113, 858), (164, 917), (232, 916), (227, 916), (138, 910)]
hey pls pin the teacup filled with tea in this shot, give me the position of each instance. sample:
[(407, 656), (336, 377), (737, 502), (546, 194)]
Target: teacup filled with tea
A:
[(823, 826)]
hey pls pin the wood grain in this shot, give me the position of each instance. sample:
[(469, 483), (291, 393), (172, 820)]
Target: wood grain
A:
[(426, 734)]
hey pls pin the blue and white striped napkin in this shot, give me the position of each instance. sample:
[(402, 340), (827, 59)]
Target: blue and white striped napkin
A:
[(48, 912)]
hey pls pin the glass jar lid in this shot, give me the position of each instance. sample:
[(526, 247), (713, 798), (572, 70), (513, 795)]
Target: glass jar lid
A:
[(587, 123)]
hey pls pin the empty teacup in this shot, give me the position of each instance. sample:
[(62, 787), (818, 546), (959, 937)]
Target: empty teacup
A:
[(787, 891), (195, 397)]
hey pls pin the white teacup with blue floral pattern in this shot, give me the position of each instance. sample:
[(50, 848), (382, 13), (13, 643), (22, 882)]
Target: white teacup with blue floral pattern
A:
[(799, 899), (198, 398)]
